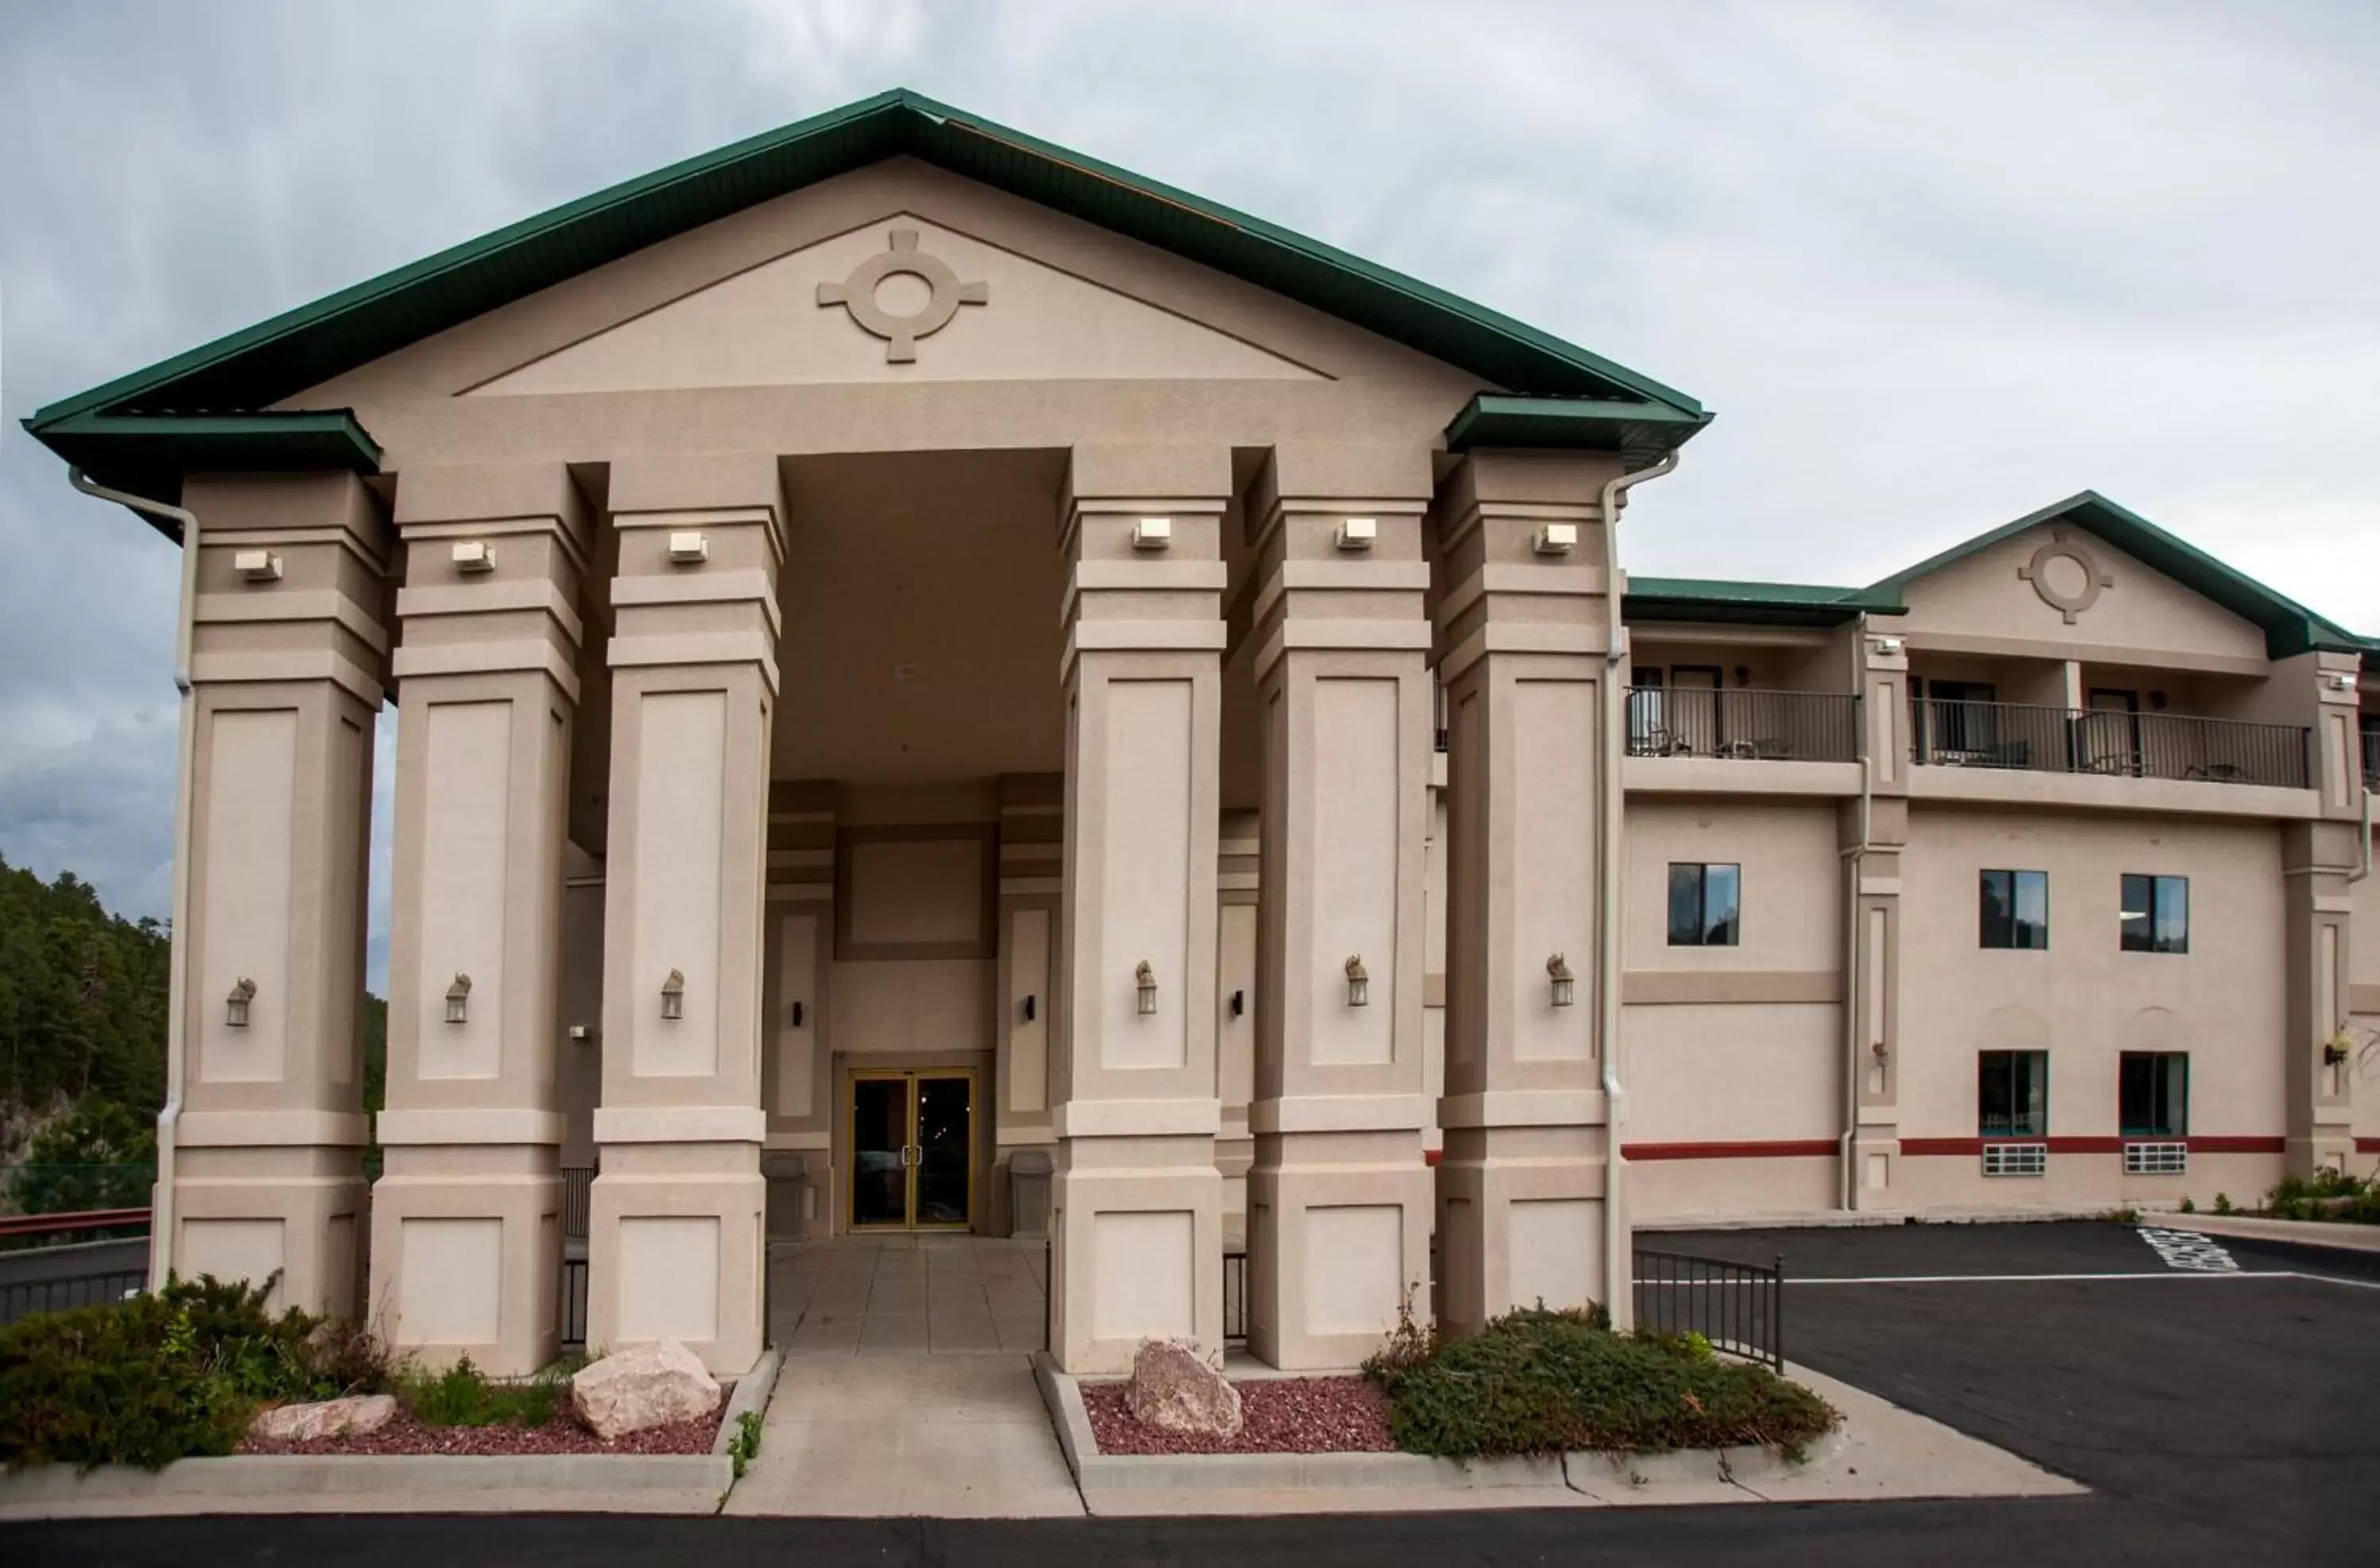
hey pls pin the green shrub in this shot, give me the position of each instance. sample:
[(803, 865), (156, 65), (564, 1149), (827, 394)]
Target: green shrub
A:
[(152, 1379), (745, 1446), (464, 1396), (2327, 1195), (1540, 1382)]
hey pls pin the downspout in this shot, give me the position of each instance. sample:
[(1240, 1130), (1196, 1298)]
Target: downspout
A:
[(1607, 866), (161, 1219), (1854, 857), (2363, 844)]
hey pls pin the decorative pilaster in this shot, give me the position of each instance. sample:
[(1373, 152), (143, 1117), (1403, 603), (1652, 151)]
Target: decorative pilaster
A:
[(675, 1244), (467, 1216), (2316, 857), (1137, 1227), (1873, 840), (290, 662), (1521, 641), (1339, 1198), (1032, 867)]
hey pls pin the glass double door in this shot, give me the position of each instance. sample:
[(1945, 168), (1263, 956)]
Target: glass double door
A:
[(911, 1150)]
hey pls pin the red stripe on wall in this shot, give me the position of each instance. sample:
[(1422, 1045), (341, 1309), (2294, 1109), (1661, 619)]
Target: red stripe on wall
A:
[(2367, 1146), (2219, 1143), (1771, 1148)]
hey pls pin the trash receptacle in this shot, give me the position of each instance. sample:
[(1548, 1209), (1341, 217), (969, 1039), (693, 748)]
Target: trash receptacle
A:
[(1028, 1193), (788, 1176)]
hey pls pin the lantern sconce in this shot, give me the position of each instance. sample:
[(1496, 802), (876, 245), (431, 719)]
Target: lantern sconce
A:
[(1145, 982), (673, 995), (459, 999), (1566, 983), (1238, 1003), (243, 991), (1359, 983), (797, 1015), (1031, 1007)]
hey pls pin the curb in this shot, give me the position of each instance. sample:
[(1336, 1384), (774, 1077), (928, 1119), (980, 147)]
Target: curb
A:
[(1114, 1473)]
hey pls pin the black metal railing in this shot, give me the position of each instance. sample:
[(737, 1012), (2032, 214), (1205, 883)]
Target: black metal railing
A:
[(1801, 726), (22, 1298), (1235, 1298), (1739, 1307), (2371, 760), (1954, 733), (573, 1305), (576, 1182)]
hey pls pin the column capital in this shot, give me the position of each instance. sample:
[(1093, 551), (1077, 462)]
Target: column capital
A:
[(291, 581)]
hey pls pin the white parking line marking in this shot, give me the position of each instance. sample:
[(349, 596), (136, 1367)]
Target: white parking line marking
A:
[(2189, 1249)]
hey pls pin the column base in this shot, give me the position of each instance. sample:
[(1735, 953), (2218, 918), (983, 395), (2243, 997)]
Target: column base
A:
[(246, 1213), (1338, 1228), (1875, 1166), (1520, 1221), (2330, 1147), (1136, 1249), (676, 1250), (466, 1253)]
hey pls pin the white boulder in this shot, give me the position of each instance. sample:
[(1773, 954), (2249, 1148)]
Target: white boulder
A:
[(1177, 1388), (649, 1386), (353, 1416)]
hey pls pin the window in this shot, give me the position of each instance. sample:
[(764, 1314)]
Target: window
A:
[(2016, 909), (2153, 1093), (2012, 1093), (1702, 904), (2156, 914)]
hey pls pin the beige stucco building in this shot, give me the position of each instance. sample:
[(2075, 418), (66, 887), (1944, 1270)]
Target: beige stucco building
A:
[(922, 659)]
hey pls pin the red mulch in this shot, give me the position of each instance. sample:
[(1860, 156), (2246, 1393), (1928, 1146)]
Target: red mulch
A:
[(407, 1433), (1277, 1415)]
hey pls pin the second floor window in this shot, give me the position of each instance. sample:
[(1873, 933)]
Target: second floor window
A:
[(2016, 909), (2156, 914), (1704, 904), (2012, 1093), (2153, 1093)]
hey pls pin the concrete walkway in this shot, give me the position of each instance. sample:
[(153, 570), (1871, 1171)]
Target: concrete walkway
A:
[(905, 1294), (953, 1437)]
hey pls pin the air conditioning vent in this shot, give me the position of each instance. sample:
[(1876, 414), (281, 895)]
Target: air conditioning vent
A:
[(2016, 1159), (2164, 1159)]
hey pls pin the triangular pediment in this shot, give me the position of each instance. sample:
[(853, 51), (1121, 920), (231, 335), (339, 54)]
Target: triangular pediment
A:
[(902, 298)]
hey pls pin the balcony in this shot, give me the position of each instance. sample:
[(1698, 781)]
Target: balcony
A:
[(1954, 733), (1797, 727)]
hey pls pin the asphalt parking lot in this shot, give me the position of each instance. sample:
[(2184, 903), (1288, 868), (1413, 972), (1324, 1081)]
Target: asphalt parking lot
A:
[(2244, 1402)]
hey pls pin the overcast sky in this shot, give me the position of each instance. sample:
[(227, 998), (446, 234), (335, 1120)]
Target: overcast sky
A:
[(1934, 264)]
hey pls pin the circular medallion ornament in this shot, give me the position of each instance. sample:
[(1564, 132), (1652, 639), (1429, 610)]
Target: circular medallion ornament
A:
[(945, 295), (2065, 576)]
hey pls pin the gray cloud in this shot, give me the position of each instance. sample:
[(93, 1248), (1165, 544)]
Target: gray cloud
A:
[(1934, 265)]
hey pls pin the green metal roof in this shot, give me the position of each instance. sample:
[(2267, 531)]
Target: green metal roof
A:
[(2289, 628), (1753, 604), (1641, 430), (303, 348), (148, 454)]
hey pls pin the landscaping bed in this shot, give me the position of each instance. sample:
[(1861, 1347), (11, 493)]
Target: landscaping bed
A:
[(1277, 1415), (406, 1433)]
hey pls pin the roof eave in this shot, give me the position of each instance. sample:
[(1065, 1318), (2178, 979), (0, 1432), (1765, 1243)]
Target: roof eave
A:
[(150, 455), (1643, 433)]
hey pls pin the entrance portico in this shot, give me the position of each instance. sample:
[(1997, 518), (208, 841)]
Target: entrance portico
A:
[(912, 665)]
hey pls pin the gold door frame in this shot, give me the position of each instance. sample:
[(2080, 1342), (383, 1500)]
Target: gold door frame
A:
[(849, 1173)]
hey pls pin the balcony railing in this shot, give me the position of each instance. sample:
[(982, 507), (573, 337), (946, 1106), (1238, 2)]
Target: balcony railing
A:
[(1801, 726), (2371, 760), (1952, 732)]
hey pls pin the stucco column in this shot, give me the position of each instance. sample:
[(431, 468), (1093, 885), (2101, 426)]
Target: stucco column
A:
[(467, 1240), (676, 1241), (1520, 647), (1873, 833), (1032, 869), (1339, 1198), (289, 662), (1137, 1228), (2315, 859)]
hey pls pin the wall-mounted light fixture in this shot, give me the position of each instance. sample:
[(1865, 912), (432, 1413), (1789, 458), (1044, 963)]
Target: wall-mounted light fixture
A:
[(473, 556), (673, 995), (797, 1015), (1358, 533), (2342, 680), (1359, 982), (1238, 1003), (581, 1035), (688, 548), (1878, 1049), (2156, 701), (243, 991), (458, 998), (1556, 539), (1152, 533), (1887, 646), (1031, 1006), (257, 565), (1743, 675), (1144, 979), (1566, 983)]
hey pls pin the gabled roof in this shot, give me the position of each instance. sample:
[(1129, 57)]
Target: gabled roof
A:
[(275, 359), (2289, 628), (1754, 603)]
